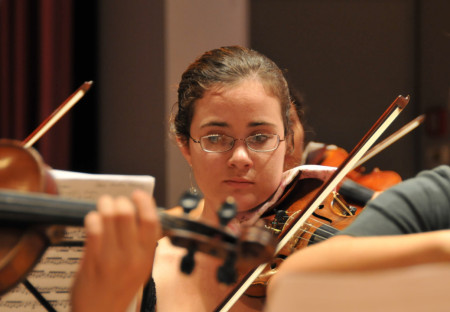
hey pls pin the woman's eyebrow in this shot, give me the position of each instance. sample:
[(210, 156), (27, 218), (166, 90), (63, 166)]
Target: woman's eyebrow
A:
[(226, 125), (260, 123), (215, 124)]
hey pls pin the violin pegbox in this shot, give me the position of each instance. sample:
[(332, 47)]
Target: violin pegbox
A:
[(254, 245), (227, 211), (189, 201), (227, 272)]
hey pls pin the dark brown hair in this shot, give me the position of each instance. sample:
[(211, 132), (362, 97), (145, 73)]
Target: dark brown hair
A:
[(226, 66)]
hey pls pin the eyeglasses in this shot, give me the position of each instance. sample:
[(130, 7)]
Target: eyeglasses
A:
[(220, 143)]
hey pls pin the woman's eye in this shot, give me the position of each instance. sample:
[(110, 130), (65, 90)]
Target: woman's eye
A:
[(214, 139), (259, 138)]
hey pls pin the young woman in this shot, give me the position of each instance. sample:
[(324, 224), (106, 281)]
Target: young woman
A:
[(231, 127)]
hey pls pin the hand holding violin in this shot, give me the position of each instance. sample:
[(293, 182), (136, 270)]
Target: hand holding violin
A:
[(119, 250)]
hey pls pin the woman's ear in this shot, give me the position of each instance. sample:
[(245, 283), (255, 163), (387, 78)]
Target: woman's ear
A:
[(183, 145), (294, 140), (289, 142)]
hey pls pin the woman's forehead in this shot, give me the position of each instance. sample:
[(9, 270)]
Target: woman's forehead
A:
[(221, 87), (247, 102), (249, 94)]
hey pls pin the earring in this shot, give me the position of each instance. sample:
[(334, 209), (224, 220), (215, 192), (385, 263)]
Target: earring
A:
[(192, 189)]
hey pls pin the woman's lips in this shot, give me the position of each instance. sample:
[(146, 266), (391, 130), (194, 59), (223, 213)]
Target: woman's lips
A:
[(238, 183)]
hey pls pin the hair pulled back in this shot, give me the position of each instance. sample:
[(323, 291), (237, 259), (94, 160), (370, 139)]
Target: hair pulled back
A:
[(226, 67)]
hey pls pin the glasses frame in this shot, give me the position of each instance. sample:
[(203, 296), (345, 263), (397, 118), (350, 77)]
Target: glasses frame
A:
[(199, 141)]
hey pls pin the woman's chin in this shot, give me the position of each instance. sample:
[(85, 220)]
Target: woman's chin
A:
[(245, 203)]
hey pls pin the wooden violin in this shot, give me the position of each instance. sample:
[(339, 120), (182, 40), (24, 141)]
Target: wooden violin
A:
[(32, 217)]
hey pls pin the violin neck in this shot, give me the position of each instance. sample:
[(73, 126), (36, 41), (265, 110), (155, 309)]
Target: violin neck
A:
[(29, 208)]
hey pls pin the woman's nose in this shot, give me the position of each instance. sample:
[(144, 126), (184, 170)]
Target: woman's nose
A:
[(240, 156)]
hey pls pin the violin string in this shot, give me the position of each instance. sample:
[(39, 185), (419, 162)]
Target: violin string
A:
[(308, 240), (313, 234), (315, 227), (322, 223)]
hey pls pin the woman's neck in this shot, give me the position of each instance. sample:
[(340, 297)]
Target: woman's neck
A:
[(209, 212)]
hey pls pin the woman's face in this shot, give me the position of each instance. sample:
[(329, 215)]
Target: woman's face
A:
[(239, 111)]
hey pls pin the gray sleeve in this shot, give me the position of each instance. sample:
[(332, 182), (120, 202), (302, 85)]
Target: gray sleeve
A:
[(419, 204)]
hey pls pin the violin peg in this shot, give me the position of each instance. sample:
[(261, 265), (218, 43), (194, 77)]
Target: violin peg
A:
[(227, 211), (189, 201), (226, 273), (188, 262)]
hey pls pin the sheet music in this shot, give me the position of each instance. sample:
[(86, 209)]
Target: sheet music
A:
[(54, 273)]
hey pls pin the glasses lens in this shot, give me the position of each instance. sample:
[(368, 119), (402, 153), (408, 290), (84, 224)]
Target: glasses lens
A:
[(216, 143), (219, 143), (263, 142)]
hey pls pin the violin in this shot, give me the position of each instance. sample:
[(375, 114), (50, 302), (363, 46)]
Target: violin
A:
[(305, 199), (32, 218)]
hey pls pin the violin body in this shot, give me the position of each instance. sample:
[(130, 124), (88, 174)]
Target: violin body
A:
[(22, 169), (21, 247)]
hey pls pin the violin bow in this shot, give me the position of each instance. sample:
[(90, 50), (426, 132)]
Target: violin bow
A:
[(413, 124), (349, 163), (57, 114)]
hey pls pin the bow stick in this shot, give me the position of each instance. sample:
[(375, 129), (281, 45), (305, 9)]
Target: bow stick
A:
[(57, 114), (413, 124)]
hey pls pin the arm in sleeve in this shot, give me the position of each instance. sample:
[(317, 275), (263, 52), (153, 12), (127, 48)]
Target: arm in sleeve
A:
[(420, 204)]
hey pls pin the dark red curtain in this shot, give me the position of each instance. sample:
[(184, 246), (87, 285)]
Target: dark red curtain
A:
[(36, 73)]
